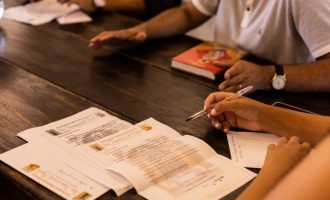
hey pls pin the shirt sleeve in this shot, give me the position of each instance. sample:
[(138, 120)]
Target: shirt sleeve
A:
[(206, 7), (312, 20)]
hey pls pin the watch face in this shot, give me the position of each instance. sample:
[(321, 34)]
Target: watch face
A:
[(279, 82)]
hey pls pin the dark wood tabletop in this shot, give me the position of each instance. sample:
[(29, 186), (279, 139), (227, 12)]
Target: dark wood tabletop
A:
[(48, 73)]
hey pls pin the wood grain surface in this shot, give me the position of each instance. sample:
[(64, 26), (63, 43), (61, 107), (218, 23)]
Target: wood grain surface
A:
[(48, 73)]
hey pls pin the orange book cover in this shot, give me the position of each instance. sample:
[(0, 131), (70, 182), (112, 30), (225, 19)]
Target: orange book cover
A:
[(203, 59)]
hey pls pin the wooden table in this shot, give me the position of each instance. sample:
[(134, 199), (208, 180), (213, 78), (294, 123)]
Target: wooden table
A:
[(48, 73)]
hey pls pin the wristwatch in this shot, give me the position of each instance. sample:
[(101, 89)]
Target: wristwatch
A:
[(99, 3), (279, 79)]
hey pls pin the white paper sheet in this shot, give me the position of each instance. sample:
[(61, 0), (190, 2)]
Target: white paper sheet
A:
[(249, 149), (38, 13), (54, 175), (65, 139), (75, 17), (154, 158), (165, 165)]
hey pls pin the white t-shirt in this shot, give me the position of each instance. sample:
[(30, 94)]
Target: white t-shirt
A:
[(282, 31)]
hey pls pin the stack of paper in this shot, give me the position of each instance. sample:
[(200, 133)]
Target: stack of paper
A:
[(93, 152), (42, 12), (249, 149), (53, 174), (49, 162)]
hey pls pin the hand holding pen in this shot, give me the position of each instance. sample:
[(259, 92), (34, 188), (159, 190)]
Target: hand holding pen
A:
[(237, 95), (215, 101)]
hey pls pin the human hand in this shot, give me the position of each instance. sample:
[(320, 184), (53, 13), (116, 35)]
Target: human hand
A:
[(244, 73), (122, 38), (238, 113), (280, 159), (86, 5), (283, 156)]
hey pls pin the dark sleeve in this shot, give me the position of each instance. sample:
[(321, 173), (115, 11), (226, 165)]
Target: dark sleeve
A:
[(155, 7)]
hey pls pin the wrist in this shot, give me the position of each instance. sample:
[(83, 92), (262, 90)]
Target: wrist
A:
[(269, 74), (265, 117)]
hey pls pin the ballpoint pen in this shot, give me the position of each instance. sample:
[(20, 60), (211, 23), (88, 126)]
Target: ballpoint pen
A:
[(237, 95)]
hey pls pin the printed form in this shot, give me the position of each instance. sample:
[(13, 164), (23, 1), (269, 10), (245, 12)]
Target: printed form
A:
[(162, 164), (67, 138), (152, 157), (54, 175)]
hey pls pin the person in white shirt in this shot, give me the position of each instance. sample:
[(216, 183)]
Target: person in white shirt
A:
[(293, 34)]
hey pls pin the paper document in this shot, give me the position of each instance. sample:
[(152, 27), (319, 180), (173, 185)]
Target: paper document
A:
[(75, 17), (161, 164), (249, 149), (54, 175), (111, 153), (38, 13), (68, 138)]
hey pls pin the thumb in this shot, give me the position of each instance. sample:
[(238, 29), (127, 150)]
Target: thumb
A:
[(140, 36), (224, 63)]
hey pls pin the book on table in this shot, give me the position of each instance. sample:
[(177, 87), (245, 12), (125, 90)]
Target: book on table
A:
[(207, 59)]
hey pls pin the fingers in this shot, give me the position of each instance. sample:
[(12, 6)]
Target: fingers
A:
[(282, 141), (271, 147), (294, 140), (105, 37), (234, 81), (216, 123), (233, 71), (245, 73), (223, 121), (95, 42), (141, 36), (223, 63), (306, 146), (222, 107), (215, 97), (130, 36), (221, 124), (233, 78), (233, 89)]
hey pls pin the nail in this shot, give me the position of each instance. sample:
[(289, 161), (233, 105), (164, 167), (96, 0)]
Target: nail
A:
[(218, 125), (213, 112)]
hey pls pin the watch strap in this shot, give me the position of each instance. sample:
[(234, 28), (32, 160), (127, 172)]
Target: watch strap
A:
[(279, 69)]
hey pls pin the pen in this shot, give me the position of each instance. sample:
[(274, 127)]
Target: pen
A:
[(237, 95)]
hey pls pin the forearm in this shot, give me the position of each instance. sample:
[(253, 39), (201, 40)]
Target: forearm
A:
[(287, 123), (312, 77), (172, 22), (127, 6), (261, 185), (315, 169)]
